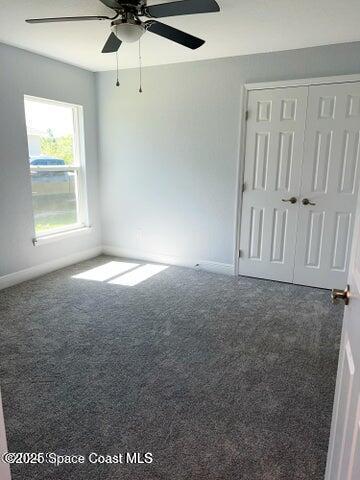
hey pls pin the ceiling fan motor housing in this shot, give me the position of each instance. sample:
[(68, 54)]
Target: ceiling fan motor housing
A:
[(133, 3), (135, 6)]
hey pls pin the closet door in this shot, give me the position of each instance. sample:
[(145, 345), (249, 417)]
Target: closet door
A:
[(330, 180), (274, 154)]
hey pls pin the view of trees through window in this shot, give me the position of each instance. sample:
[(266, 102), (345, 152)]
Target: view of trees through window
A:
[(61, 147), (53, 166)]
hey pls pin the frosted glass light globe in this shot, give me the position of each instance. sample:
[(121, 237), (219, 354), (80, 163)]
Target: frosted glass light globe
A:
[(128, 32)]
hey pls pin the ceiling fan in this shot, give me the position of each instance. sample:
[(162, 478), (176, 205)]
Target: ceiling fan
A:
[(127, 26)]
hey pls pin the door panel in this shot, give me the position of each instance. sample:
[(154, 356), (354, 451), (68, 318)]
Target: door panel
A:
[(341, 241), (330, 180), (315, 231), (278, 236), (284, 163), (320, 174), (344, 449), (349, 162), (350, 463), (4, 467), (256, 233), (274, 152), (346, 372)]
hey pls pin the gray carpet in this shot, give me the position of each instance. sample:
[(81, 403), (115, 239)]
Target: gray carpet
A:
[(219, 378)]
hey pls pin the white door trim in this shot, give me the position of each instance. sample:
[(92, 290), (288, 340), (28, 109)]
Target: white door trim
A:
[(4, 468), (242, 146), (304, 82), (240, 175)]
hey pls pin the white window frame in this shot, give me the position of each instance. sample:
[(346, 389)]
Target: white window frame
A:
[(79, 168)]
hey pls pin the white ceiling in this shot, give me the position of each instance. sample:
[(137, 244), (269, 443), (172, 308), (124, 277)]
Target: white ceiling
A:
[(242, 27)]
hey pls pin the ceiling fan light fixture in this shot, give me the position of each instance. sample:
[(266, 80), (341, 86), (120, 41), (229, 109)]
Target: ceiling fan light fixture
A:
[(129, 31), (127, 26)]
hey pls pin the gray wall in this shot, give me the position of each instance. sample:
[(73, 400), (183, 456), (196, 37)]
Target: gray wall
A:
[(169, 156), (22, 73)]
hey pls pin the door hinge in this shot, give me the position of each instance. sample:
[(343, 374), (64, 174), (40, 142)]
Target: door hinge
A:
[(243, 187), (239, 253), (247, 115)]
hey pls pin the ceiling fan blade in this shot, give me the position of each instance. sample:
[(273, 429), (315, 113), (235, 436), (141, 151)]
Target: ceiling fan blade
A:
[(114, 4), (112, 44), (184, 7), (174, 34), (67, 19)]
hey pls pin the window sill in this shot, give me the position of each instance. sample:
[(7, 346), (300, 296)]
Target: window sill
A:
[(54, 237)]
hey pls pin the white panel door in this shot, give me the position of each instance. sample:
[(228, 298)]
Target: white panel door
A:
[(4, 468), (274, 153), (344, 449), (330, 179)]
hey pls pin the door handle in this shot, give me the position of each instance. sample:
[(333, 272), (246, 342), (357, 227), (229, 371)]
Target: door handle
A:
[(337, 295), (306, 201), (291, 200)]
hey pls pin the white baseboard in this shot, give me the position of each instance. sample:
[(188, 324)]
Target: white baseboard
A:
[(223, 268), (42, 269), (215, 267), (38, 270)]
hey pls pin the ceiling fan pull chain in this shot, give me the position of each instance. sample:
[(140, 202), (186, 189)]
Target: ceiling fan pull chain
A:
[(140, 67), (117, 70)]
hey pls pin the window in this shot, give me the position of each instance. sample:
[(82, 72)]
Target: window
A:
[(56, 158)]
